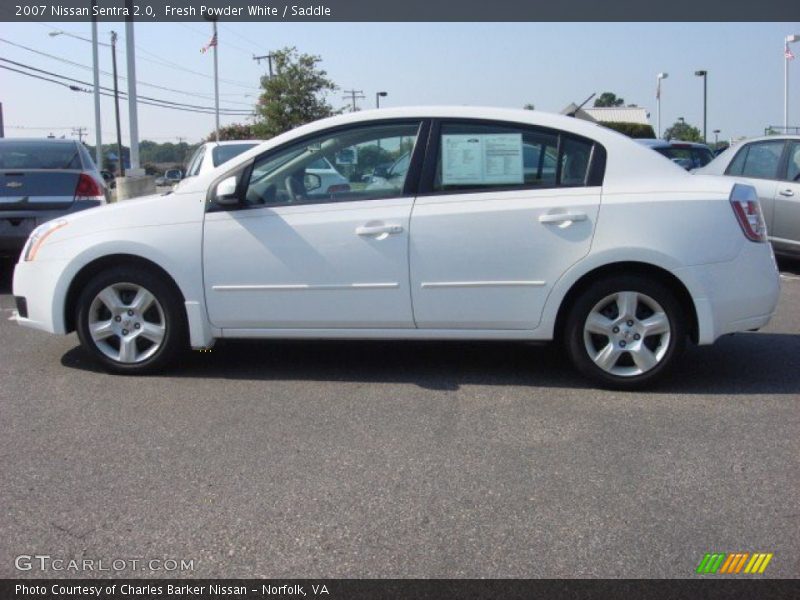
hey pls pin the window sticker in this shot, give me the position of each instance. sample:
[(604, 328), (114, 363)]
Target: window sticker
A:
[(482, 159)]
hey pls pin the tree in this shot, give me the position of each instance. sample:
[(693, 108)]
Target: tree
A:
[(234, 131), (294, 96), (683, 132), (608, 99), (529, 106)]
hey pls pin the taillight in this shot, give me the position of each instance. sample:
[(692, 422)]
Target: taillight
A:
[(339, 187), (87, 187), (746, 207)]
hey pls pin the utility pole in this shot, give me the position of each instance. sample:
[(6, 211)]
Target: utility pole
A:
[(98, 137), (268, 58), (80, 132), (2, 131), (353, 95), (180, 145), (116, 103), (133, 118)]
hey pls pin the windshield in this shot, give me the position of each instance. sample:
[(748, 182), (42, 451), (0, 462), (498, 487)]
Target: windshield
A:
[(39, 155), (221, 154)]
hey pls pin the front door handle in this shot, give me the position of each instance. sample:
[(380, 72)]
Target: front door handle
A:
[(379, 229), (563, 217), (786, 192)]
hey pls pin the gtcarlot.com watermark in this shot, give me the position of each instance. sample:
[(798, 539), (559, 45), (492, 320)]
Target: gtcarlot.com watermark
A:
[(58, 564)]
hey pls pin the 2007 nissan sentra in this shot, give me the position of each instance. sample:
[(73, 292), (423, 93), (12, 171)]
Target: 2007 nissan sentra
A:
[(504, 225)]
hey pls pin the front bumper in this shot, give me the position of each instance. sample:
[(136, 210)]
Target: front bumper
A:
[(37, 282)]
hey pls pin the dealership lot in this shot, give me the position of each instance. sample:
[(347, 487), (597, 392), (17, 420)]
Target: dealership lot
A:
[(278, 459)]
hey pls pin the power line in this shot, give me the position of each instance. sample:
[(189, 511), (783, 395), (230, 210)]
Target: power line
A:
[(143, 83), (75, 88), (160, 100)]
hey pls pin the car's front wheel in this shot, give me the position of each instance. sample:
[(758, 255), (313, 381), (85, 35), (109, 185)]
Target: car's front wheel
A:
[(625, 332), (130, 320)]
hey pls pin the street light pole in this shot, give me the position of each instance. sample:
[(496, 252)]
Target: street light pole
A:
[(704, 75), (378, 96), (116, 103), (787, 56), (661, 76)]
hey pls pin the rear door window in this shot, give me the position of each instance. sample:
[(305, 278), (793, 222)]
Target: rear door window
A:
[(482, 156)]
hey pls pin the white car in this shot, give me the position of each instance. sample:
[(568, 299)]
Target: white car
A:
[(771, 165), (619, 254), (210, 155)]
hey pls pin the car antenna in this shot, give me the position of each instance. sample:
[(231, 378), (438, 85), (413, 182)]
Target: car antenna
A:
[(582, 104)]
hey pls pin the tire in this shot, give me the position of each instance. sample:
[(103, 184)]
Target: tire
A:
[(131, 320), (625, 332)]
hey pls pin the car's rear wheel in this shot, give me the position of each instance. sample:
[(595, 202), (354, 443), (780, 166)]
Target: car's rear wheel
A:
[(625, 332), (130, 320)]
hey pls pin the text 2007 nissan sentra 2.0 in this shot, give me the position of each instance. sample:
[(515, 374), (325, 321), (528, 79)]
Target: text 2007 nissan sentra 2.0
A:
[(498, 225)]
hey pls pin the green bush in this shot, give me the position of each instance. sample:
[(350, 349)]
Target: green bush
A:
[(634, 130)]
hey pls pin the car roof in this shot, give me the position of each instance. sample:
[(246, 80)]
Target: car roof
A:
[(231, 142), (627, 162), (763, 138), (37, 140), (654, 143)]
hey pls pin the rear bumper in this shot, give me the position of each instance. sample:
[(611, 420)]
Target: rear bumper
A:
[(739, 295)]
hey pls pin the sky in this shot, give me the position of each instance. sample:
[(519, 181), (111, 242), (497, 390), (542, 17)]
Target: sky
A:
[(483, 64)]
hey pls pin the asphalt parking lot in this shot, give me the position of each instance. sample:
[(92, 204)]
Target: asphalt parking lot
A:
[(367, 459)]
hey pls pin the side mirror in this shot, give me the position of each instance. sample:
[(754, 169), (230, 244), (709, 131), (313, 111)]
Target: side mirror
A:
[(312, 181), (225, 194)]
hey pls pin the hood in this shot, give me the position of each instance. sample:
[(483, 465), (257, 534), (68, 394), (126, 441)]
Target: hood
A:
[(147, 211)]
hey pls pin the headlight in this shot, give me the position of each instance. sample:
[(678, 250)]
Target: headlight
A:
[(38, 237)]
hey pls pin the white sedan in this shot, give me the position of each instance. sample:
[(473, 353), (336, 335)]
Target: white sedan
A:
[(602, 244)]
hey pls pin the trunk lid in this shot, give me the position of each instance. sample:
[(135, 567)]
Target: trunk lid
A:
[(37, 189)]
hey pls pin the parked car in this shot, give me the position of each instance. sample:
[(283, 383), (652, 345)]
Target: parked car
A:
[(42, 179), (689, 155), (772, 166), (170, 177), (621, 255), (210, 155)]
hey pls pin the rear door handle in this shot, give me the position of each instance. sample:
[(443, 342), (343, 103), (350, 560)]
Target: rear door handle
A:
[(786, 192), (378, 229), (563, 217)]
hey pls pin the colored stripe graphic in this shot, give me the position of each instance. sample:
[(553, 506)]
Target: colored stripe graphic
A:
[(733, 563), (758, 563), (711, 562)]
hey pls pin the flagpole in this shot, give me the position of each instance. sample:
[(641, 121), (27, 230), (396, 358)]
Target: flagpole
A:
[(216, 83), (786, 86)]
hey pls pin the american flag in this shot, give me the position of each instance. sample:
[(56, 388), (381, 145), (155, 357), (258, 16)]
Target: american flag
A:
[(787, 54), (211, 44)]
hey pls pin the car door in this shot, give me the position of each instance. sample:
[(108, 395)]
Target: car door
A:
[(504, 211), (294, 254), (785, 232), (759, 163)]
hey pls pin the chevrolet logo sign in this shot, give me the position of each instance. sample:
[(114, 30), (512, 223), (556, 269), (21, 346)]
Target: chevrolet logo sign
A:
[(13, 184)]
